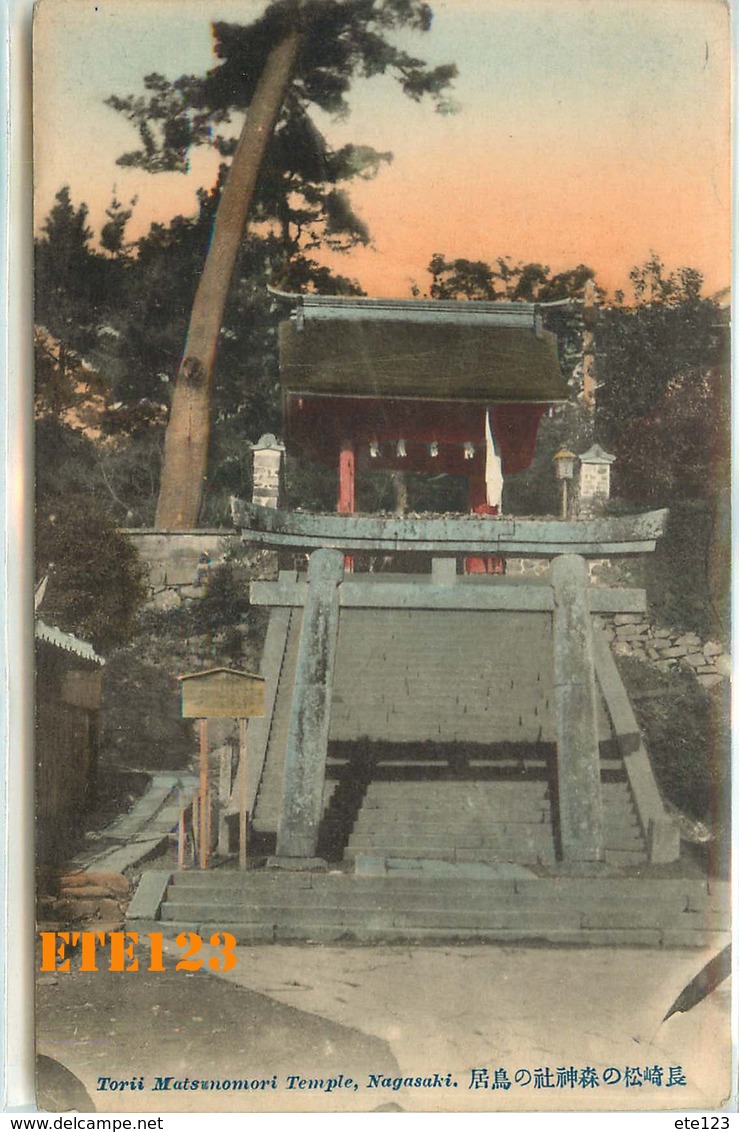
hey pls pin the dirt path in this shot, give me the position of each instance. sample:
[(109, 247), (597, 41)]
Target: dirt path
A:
[(319, 1011), (177, 1024)]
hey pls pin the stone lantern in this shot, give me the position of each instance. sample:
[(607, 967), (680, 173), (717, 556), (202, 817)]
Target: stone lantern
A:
[(595, 477), (564, 470), (266, 474)]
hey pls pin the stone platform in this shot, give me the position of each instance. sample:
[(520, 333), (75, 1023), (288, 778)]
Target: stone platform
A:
[(412, 905)]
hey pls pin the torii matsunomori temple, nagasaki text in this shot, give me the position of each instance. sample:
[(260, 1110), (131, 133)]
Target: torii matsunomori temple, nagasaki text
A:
[(447, 751)]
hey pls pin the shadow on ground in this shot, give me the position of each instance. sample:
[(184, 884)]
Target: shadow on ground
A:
[(197, 1026)]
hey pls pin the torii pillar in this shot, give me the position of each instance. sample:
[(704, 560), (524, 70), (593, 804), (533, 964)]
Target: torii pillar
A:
[(310, 716), (578, 752)]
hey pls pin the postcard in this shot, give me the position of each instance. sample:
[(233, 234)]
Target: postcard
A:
[(382, 556)]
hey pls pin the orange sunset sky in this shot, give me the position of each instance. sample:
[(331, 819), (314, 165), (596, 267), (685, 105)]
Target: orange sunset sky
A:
[(587, 131)]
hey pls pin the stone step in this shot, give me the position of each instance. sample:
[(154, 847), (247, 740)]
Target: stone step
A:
[(688, 892), (527, 851), (522, 854), (424, 831), (307, 930), (472, 804), (439, 792), (455, 813), (444, 788), (461, 900), (358, 900), (472, 800), (464, 820), (418, 825), (455, 839), (465, 917), (687, 928), (624, 858), (495, 827)]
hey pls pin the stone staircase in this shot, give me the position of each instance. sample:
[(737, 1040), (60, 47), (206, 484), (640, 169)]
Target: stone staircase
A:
[(485, 820), (263, 905), (269, 800)]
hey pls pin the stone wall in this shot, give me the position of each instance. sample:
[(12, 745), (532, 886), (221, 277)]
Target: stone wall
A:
[(174, 562), (632, 634)]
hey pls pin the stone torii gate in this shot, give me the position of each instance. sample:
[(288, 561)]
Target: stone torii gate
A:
[(579, 656)]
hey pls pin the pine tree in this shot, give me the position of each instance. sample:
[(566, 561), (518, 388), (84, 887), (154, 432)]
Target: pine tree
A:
[(297, 55)]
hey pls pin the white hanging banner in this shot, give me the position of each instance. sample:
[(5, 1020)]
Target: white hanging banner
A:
[(493, 467)]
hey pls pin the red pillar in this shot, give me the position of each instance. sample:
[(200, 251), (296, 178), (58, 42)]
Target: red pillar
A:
[(479, 505), (346, 478), (346, 489)]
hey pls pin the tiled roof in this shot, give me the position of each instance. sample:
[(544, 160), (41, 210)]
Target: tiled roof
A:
[(66, 641)]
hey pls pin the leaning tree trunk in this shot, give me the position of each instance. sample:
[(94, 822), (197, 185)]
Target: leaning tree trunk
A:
[(186, 440)]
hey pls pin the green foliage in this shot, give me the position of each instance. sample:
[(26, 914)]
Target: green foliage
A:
[(113, 232), (299, 188), (341, 40), (95, 578), (69, 277), (132, 334), (141, 723), (670, 335), (66, 229), (504, 280), (682, 585), (687, 733), (681, 450), (535, 491), (63, 384)]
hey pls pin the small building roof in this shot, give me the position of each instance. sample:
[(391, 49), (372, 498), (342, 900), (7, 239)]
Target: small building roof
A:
[(419, 349), (596, 455), (50, 635), (216, 671)]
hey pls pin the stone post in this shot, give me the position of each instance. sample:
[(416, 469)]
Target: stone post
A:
[(595, 479), (266, 474), (310, 715), (578, 754)]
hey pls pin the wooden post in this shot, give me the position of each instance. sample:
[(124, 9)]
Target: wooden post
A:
[(346, 489), (242, 794), (400, 491), (204, 794), (181, 831), (195, 826), (224, 793), (589, 379)]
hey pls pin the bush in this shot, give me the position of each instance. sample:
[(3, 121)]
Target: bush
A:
[(687, 733), (96, 581)]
